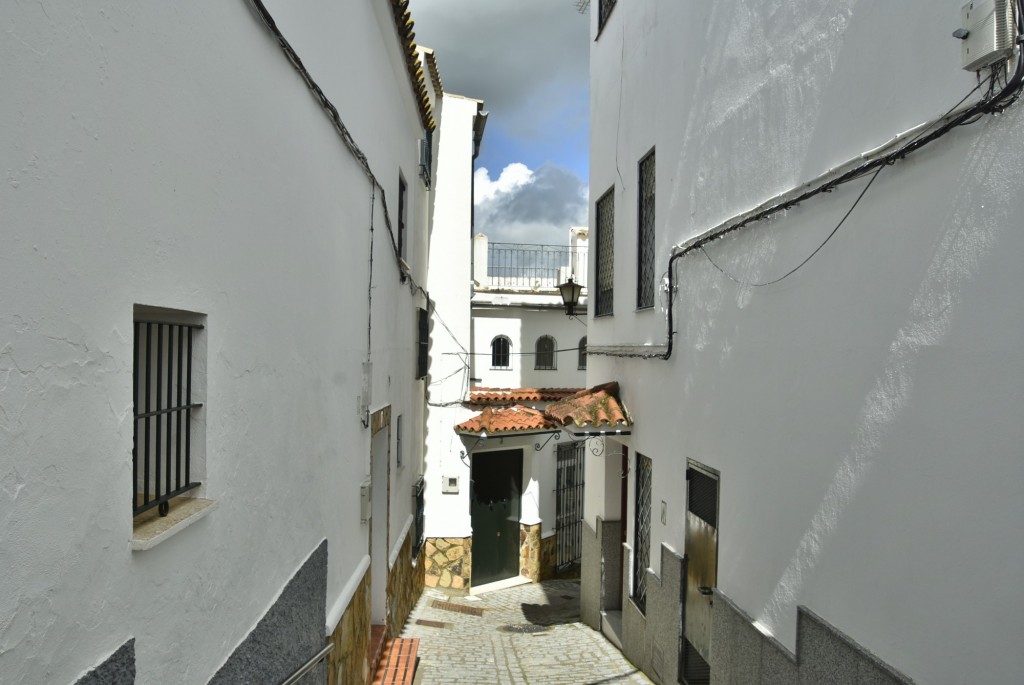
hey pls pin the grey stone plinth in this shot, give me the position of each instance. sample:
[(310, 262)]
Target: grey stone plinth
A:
[(118, 669)]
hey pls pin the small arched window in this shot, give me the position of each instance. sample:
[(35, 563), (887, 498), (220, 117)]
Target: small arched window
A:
[(501, 353), (545, 357), (583, 354)]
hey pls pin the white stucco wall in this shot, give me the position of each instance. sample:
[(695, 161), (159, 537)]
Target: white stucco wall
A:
[(447, 515), (864, 413), (523, 319), (171, 156)]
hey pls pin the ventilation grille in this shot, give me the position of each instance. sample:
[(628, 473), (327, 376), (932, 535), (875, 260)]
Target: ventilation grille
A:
[(702, 498), (696, 671)]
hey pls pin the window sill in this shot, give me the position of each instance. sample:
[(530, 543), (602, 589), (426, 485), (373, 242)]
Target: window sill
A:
[(501, 368), (150, 529)]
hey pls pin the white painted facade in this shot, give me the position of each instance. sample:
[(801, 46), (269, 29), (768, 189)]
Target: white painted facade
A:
[(864, 412), (171, 156), (450, 281)]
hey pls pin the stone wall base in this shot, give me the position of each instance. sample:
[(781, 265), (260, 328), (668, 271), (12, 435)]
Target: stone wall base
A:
[(347, 662), (448, 563), (529, 551), (740, 653), (405, 585)]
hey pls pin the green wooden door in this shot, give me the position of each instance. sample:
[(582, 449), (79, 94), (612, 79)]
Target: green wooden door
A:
[(496, 486)]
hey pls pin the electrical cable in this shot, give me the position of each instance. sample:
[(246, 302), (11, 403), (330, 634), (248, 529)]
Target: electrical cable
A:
[(810, 256), (1006, 96)]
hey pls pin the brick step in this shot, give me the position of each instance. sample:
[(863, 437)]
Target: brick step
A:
[(398, 663)]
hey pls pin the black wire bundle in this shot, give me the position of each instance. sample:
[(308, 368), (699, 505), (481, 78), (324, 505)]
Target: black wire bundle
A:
[(993, 102)]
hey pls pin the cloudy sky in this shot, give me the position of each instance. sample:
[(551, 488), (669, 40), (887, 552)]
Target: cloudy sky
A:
[(527, 59)]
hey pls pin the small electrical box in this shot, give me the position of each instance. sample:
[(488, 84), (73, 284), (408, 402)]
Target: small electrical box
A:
[(450, 485), (991, 31), (365, 500)]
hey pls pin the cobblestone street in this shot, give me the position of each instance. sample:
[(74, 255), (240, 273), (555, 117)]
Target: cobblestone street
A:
[(526, 634)]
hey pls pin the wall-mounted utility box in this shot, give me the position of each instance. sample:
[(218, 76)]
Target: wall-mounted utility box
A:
[(450, 485), (992, 31), (365, 500)]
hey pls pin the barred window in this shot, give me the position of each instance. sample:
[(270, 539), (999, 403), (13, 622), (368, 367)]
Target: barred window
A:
[(166, 369), (403, 215), (604, 8), (605, 253), (582, 365), (642, 531), (545, 353), (501, 353), (645, 235)]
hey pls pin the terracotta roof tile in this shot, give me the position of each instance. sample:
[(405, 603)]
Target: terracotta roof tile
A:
[(597, 407), (407, 37), (507, 396), (507, 420)]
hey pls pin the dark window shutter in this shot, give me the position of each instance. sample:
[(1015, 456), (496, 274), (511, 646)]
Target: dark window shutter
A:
[(423, 343)]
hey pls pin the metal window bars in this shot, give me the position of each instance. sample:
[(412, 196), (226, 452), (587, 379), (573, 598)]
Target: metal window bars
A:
[(642, 531), (605, 254), (603, 10), (645, 235), (501, 353), (162, 449), (544, 359), (419, 502), (569, 505)]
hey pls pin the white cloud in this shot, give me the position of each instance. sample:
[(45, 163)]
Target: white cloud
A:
[(512, 176), (525, 206)]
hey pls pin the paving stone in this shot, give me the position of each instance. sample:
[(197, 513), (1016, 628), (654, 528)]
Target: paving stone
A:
[(474, 650)]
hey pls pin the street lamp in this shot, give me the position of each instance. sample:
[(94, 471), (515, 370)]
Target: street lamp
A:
[(570, 291)]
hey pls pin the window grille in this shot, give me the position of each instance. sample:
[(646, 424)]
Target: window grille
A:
[(545, 353), (423, 343), (398, 440), (501, 353), (582, 363), (604, 8), (645, 235), (642, 531), (419, 506), (162, 380), (605, 253), (569, 505), (695, 670)]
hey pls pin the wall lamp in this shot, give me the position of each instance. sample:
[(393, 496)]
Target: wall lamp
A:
[(570, 291)]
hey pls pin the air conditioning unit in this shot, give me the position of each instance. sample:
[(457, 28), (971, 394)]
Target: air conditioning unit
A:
[(991, 32)]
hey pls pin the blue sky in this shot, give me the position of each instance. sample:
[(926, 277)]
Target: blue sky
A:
[(527, 59)]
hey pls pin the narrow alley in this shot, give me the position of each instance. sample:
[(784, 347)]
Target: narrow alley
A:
[(526, 634)]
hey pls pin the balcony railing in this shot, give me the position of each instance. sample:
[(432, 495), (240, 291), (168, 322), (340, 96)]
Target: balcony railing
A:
[(537, 267)]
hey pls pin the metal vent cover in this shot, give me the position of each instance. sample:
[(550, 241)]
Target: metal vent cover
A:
[(992, 32)]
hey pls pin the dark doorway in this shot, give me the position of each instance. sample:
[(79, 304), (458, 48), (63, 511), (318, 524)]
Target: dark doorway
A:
[(702, 486), (495, 489)]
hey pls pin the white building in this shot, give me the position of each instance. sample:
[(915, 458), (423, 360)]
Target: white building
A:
[(188, 236), (521, 354), (836, 453)]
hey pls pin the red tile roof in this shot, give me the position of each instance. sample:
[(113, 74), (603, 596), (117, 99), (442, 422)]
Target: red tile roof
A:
[(507, 396), (598, 407), (516, 418)]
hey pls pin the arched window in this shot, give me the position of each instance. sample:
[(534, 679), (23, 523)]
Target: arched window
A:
[(583, 354), (545, 357), (501, 353)]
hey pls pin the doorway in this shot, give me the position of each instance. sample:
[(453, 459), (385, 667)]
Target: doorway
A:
[(701, 572), (496, 485), (379, 497)]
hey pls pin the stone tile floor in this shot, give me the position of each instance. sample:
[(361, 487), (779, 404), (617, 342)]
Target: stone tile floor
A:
[(529, 634)]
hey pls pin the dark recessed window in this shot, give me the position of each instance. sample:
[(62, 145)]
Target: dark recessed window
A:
[(604, 8), (605, 254), (545, 353), (645, 235), (582, 365), (501, 353), (403, 212)]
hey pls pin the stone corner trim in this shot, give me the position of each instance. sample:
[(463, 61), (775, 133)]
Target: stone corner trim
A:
[(448, 563)]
